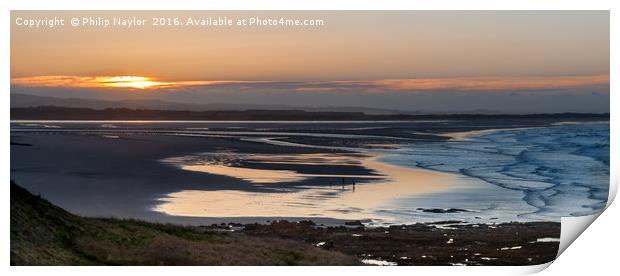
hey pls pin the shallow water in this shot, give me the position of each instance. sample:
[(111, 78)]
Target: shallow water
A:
[(527, 174)]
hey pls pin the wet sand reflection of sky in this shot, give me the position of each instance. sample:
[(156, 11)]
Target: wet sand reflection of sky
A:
[(343, 200)]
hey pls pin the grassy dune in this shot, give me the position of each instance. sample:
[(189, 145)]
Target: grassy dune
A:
[(44, 234)]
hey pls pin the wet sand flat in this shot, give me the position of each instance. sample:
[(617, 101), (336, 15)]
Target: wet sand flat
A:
[(203, 172)]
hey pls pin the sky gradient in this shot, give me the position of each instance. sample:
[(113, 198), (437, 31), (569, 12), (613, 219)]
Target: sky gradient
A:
[(509, 61)]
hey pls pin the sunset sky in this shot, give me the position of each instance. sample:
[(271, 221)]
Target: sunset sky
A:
[(509, 61)]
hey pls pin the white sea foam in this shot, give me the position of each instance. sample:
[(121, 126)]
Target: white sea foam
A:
[(377, 262)]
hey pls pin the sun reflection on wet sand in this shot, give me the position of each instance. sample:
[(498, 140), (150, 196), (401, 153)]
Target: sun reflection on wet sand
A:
[(224, 164), (247, 174), (348, 201)]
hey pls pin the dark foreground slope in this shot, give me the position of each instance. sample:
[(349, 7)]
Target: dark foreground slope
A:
[(43, 234)]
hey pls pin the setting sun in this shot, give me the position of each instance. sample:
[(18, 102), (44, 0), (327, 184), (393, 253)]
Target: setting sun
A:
[(129, 82)]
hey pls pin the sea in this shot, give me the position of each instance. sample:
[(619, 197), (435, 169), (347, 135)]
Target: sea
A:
[(525, 174)]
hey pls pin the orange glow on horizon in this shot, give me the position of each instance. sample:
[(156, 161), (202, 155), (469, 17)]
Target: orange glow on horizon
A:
[(477, 84), (131, 82)]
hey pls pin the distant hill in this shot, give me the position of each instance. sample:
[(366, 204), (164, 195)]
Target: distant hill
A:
[(67, 113), (44, 234), (27, 100)]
